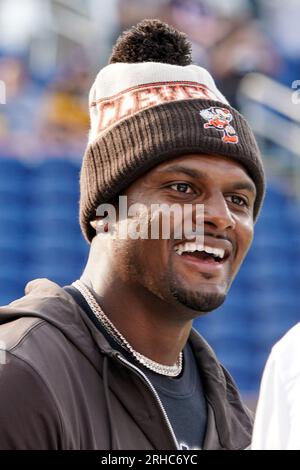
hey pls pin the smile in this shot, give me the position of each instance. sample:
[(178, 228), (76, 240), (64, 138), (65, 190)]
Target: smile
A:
[(205, 256)]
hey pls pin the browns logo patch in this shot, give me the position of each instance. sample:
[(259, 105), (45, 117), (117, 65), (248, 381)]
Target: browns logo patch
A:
[(219, 119)]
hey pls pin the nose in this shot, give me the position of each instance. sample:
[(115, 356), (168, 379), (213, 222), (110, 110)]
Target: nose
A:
[(217, 214)]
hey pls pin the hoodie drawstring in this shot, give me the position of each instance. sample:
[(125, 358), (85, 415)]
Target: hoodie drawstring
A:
[(113, 436)]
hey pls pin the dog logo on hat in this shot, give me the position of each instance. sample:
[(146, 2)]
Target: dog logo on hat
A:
[(219, 118)]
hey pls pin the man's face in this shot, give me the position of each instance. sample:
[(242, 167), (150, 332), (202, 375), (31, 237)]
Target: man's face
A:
[(194, 280)]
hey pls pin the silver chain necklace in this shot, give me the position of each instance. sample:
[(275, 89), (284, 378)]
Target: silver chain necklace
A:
[(170, 371)]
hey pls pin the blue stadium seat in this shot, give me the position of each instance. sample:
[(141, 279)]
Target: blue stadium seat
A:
[(13, 221), (11, 288), (13, 171), (12, 251), (61, 275), (58, 253), (61, 211), (55, 192), (58, 229), (54, 168)]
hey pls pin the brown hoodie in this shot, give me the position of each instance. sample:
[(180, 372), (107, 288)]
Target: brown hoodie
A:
[(62, 386)]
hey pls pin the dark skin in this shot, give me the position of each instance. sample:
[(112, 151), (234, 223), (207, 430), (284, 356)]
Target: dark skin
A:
[(161, 292)]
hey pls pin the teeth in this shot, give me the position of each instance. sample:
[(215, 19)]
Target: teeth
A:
[(219, 252), (188, 247), (210, 250), (191, 247)]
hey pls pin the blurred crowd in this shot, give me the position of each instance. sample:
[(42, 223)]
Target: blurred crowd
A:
[(51, 51)]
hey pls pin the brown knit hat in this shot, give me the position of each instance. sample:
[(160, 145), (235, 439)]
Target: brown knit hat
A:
[(151, 107)]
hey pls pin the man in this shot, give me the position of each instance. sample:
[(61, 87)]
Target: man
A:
[(277, 420), (112, 362)]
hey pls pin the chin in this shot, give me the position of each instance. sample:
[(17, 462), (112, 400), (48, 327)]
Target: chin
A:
[(204, 300)]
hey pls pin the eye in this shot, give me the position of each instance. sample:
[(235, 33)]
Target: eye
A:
[(238, 200), (182, 188)]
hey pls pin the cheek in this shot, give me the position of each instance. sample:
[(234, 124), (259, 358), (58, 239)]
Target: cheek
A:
[(153, 264), (155, 256), (138, 260)]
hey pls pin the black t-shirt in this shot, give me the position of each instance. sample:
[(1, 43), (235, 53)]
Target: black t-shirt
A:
[(184, 401), (182, 397)]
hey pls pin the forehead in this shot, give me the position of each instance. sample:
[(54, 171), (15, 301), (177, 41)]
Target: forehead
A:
[(211, 165)]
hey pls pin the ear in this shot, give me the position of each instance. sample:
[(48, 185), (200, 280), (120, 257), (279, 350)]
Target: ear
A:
[(94, 224), (99, 224)]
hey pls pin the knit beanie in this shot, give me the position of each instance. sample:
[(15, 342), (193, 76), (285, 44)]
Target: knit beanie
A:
[(151, 104)]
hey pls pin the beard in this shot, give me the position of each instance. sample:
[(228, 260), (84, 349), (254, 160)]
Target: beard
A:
[(199, 301)]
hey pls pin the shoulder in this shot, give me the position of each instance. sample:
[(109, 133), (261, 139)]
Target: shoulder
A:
[(41, 330), (29, 418), (33, 340), (39, 325), (14, 332)]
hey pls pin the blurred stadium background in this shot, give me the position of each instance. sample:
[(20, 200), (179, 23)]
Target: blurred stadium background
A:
[(50, 52)]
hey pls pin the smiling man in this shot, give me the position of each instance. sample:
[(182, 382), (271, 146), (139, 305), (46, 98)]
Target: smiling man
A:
[(112, 361)]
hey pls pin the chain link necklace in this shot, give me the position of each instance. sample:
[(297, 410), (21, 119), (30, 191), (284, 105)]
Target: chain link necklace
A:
[(170, 371)]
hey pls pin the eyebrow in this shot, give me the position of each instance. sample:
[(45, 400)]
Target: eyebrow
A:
[(193, 173), (247, 185), (185, 170)]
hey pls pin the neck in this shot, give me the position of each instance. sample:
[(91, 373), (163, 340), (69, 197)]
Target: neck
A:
[(152, 327)]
